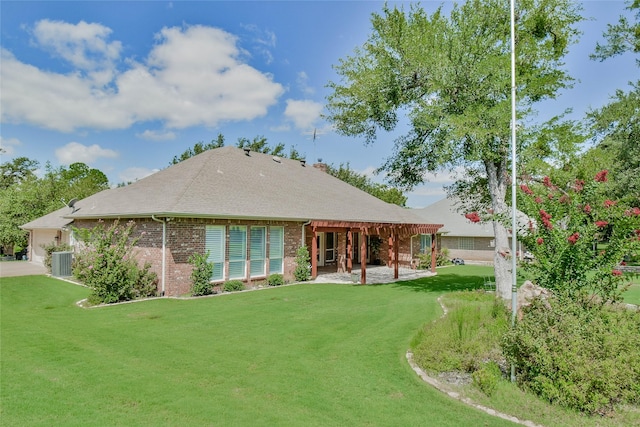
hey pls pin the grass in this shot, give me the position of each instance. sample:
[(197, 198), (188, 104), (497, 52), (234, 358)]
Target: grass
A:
[(632, 295), (312, 355)]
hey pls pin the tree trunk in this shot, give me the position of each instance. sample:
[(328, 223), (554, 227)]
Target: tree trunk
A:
[(497, 177)]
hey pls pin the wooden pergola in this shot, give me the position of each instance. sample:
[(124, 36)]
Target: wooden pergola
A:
[(395, 232)]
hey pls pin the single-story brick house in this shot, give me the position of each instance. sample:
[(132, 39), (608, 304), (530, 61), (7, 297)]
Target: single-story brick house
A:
[(251, 212), (463, 238)]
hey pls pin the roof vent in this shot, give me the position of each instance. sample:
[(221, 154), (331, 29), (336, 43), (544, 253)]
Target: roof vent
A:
[(277, 159), (303, 162), (246, 151)]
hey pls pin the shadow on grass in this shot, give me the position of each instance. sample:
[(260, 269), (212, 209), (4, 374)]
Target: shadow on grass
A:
[(440, 283)]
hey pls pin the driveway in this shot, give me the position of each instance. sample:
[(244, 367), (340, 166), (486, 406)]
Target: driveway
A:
[(21, 268)]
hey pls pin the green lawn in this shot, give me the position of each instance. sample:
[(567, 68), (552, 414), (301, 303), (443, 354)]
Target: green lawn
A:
[(304, 355)]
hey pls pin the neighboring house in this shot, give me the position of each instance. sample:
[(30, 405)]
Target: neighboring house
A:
[(463, 238), (251, 212)]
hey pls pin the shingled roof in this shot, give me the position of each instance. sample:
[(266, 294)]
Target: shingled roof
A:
[(229, 183)]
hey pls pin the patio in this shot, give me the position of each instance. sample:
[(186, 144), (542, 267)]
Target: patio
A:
[(375, 274)]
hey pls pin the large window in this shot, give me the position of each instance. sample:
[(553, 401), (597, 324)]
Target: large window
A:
[(258, 251), (276, 250), (214, 245), (237, 252), (466, 243), (425, 243)]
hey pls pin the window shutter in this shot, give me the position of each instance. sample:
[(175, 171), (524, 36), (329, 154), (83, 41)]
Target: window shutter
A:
[(237, 252), (214, 244), (258, 251), (276, 250)]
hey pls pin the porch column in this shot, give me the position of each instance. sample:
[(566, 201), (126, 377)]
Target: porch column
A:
[(314, 254), (390, 251), (363, 258), (396, 255), (433, 253), (349, 250)]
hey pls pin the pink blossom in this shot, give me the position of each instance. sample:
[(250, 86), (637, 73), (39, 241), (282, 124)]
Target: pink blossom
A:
[(579, 185), (546, 219), (616, 273), (473, 217), (91, 267), (601, 224), (526, 190), (587, 209), (574, 238), (538, 200), (547, 182), (539, 240), (564, 199), (632, 212), (608, 203), (601, 176)]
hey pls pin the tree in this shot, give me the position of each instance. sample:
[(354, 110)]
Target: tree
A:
[(16, 171), (199, 147), (27, 197), (617, 124), (451, 75), (364, 183)]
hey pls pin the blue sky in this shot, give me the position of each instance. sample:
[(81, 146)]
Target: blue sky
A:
[(125, 86)]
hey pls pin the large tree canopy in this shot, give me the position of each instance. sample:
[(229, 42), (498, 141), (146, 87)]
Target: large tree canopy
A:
[(617, 125), (451, 76)]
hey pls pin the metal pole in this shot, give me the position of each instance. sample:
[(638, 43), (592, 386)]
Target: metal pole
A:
[(514, 225)]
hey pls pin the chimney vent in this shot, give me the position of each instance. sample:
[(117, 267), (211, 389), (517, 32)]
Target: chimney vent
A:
[(321, 166), (246, 151), (303, 162)]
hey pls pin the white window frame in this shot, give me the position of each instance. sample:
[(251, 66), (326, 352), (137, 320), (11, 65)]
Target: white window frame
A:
[(273, 254), (258, 255), (216, 254), (237, 256)]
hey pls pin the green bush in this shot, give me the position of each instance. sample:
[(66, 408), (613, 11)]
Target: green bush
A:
[(587, 359), (232, 285), (52, 247), (275, 280), (108, 266), (486, 378), (302, 271), (201, 274)]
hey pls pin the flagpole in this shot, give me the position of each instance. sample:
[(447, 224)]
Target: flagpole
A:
[(514, 227)]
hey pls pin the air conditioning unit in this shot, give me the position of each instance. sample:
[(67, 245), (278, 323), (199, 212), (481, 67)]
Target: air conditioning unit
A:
[(61, 264)]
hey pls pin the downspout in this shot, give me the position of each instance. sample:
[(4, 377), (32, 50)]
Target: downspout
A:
[(303, 233), (164, 249)]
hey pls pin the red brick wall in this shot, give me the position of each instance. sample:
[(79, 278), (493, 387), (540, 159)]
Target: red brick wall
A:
[(187, 236)]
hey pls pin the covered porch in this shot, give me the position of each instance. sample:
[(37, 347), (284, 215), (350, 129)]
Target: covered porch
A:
[(353, 245)]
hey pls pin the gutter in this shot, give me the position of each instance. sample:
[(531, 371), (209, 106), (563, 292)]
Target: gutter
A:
[(164, 250)]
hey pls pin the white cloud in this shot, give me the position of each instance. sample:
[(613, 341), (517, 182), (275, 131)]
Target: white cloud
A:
[(75, 152), (8, 145), (303, 113), (192, 76), (157, 135), (84, 45), (302, 81), (134, 174)]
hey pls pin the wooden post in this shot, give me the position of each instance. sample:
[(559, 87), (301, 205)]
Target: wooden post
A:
[(349, 250), (363, 259), (433, 252), (390, 250), (314, 255), (396, 255)]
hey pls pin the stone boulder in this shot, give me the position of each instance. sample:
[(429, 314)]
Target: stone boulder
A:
[(527, 293)]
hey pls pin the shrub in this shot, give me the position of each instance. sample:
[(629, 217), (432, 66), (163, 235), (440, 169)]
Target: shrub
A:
[(52, 247), (232, 285), (201, 274), (108, 266), (486, 378), (442, 258), (275, 280), (587, 359), (564, 224), (302, 271)]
